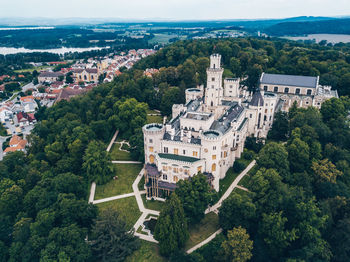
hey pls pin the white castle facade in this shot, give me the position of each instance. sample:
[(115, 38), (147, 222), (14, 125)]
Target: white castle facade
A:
[(208, 133)]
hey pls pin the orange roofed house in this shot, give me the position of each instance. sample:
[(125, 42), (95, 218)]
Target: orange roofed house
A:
[(16, 144)]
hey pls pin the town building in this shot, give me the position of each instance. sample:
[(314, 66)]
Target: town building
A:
[(16, 144), (86, 75), (49, 77), (208, 133)]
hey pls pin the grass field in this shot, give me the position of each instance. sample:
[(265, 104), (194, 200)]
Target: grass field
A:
[(148, 252), (117, 154), (152, 204), (154, 119), (202, 230), (32, 69), (161, 38), (126, 173), (127, 207)]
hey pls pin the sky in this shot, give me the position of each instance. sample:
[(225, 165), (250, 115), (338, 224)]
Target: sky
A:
[(173, 9)]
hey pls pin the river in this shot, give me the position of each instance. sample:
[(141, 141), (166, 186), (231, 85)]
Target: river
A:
[(60, 51), (331, 38)]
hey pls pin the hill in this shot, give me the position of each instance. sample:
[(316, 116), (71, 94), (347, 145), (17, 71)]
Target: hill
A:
[(333, 26)]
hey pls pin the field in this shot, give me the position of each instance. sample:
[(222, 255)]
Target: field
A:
[(117, 154), (126, 173), (127, 207), (229, 178), (152, 204), (148, 252), (202, 230), (161, 38)]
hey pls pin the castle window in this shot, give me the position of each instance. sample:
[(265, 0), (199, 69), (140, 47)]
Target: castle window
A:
[(166, 150), (297, 91), (275, 89), (225, 153), (151, 148), (184, 152), (286, 90), (214, 147), (265, 111), (199, 169), (251, 115), (151, 140), (213, 157), (176, 179), (176, 151), (309, 92), (176, 170), (195, 153), (165, 168), (213, 79), (264, 117), (265, 88), (165, 177), (213, 167)]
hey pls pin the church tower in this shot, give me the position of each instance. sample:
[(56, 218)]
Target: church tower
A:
[(214, 90)]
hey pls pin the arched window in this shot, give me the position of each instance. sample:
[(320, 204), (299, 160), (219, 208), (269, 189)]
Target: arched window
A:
[(151, 159), (213, 167)]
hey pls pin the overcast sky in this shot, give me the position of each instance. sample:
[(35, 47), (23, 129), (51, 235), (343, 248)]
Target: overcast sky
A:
[(173, 9)]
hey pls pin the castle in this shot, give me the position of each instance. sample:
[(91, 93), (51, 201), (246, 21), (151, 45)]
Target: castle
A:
[(208, 133)]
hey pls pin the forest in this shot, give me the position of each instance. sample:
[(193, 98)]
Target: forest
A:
[(297, 207), (62, 36), (333, 26)]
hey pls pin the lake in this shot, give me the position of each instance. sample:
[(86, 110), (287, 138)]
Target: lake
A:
[(331, 38), (60, 51)]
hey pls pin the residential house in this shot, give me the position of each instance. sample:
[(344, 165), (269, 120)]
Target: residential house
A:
[(49, 77), (16, 144)]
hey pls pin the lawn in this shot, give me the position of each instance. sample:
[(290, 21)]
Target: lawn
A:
[(127, 174), (127, 207), (142, 184), (244, 181), (154, 119), (152, 204), (148, 252), (117, 154), (202, 230), (230, 177)]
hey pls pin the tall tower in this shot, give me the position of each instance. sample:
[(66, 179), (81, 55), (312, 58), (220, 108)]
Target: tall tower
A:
[(214, 90)]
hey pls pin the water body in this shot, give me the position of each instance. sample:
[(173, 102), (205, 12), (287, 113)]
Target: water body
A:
[(331, 38), (60, 51), (26, 28)]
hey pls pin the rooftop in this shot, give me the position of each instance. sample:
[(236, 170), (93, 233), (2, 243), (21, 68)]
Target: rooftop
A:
[(178, 158), (289, 80)]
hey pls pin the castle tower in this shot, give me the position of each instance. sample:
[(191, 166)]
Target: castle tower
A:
[(214, 90)]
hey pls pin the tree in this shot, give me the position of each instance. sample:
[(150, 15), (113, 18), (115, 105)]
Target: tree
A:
[(332, 109), (195, 195), (274, 155), (298, 155), (69, 78), (325, 171), (171, 228), (238, 246), (237, 210), (97, 163), (273, 229), (280, 127), (110, 238)]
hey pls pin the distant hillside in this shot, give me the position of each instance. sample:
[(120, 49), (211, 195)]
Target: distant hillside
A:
[(334, 26)]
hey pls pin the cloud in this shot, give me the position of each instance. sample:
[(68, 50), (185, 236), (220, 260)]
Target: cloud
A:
[(174, 9)]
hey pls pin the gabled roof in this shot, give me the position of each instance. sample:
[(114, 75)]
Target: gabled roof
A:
[(257, 99), (50, 74), (289, 80), (14, 140)]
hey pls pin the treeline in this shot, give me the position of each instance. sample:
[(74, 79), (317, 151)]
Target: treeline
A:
[(58, 37), (333, 26)]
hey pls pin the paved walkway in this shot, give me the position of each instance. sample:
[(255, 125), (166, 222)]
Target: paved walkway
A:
[(92, 192), (112, 141), (230, 189), (126, 162), (206, 241)]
